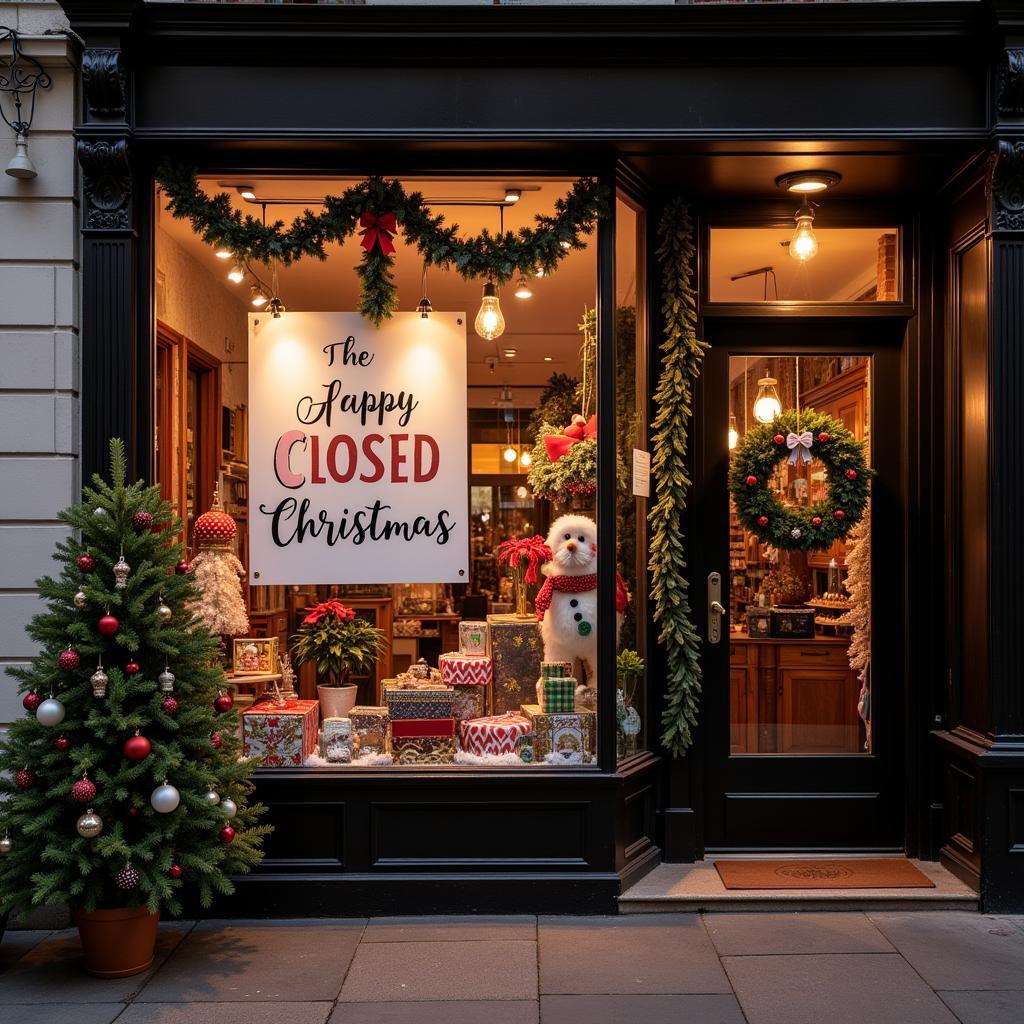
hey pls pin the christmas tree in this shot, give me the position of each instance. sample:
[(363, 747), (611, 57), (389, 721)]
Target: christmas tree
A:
[(123, 783)]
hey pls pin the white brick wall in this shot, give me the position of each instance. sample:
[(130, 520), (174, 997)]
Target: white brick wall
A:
[(39, 348)]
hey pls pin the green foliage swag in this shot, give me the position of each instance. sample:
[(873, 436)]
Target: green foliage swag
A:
[(498, 256), (809, 527), (682, 354), (49, 861)]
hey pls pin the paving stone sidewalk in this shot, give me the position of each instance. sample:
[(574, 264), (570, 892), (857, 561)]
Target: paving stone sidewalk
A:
[(773, 968)]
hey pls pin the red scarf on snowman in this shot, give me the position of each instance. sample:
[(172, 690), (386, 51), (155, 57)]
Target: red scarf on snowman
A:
[(578, 585)]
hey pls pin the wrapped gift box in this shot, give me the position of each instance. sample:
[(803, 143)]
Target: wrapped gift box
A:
[(275, 735), (558, 694), (468, 702), (336, 740), (562, 738), (423, 741), (410, 704), (516, 651), (555, 669), (466, 669), (473, 638), (370, 728), (496, 734)]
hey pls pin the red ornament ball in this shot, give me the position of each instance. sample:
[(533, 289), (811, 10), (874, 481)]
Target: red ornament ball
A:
[(751, 480), (762, 520), (216, 740), (83, 791), (851, 474), (223, 702), (816, 521), (214, 529), (823, 436), (133, 812), (137, 748), (174, 871), (142, 520), (227, 834), (779, 439), (69, 660), (108, 625), (182, 568), (840, 514), (132, 668), (169, 706), (86, 563), (24, 779), (31, 701), (62, 743)]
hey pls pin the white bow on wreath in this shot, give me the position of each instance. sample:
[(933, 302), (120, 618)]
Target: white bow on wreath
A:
[(799, 446)]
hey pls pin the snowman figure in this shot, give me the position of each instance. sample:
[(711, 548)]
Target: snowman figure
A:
[(567, 602)]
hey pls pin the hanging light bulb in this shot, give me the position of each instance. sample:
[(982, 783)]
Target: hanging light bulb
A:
[(259, 296), (236, 274), (525, 459), (804, 244), (734, 436), (766, 405), (490, 323), (510, 454), (523, 290)]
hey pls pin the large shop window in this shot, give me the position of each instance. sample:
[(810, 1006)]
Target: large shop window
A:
[(349, 494)]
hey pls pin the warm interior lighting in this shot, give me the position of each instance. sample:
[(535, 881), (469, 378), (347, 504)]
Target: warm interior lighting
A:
[(236, 274), (767, 405), (549, 359), (525, 459), (259, 296), (223, 254), (808, 182), (510, 454), (523, 290), (521, 491), (247, 192), (804, 244), (510, 353), (490, 323), (424, 308), (513, 195), (734, 436)]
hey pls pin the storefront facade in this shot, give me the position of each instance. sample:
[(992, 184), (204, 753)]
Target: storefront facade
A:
[(918, 110)]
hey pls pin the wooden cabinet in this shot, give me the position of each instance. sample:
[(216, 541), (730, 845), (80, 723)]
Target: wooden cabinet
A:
[(792, 697), (271, 623)]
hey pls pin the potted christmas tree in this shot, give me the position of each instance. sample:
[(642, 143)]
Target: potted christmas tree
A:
[(122, 784)]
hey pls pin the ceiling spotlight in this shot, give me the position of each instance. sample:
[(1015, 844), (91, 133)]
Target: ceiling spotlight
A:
[(223, 254), (259, 296), (513, 195), (246, 192), (510, 353), (549, 359), (803, 246), (276, 307), (510, 454), (523, 290), (236, 274), (489, 323), (806, 182)]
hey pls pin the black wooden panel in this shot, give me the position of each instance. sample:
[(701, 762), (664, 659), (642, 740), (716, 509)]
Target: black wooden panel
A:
[(1015, 800), (495, 835), (306, 836), (801, 820)]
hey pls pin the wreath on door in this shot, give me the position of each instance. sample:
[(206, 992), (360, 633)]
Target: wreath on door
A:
[(797, 436)]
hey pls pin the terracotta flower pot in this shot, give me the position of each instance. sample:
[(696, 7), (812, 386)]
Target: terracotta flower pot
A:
[(117, 943), (336, 701)]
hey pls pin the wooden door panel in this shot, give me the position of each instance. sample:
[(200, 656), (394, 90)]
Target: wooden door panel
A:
[(819, 711)]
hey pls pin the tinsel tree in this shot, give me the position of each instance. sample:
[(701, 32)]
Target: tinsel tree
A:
[(122, 784), (858, 585), (218, 574)]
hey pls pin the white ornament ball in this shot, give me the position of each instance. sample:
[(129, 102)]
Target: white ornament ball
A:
[(50, 712), (80, 599), (229, 807), (211, 798), (99, 511), (5, 845), (165, 798)]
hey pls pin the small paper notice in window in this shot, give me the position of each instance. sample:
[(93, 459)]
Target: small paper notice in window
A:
[(641, 473)]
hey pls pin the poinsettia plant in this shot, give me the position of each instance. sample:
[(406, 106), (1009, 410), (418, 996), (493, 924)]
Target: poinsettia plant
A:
[(337, 642)]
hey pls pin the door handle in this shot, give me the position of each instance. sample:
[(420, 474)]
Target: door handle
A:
[(716, 611)]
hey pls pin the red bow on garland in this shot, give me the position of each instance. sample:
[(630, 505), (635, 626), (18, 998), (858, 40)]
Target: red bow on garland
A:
[(533, 549), (378, 231), (327, 609), (579, 430)]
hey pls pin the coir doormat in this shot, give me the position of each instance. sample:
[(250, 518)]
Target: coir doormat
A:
[(870, 873)]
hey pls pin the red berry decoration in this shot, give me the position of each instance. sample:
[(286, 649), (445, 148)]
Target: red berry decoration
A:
[(62, 743), (751, 480), (86, 563), (132, 668), (227, 834), (142, 520), (823, 436), (779, 439), (223, 702), (762, 520), (851, 474), (169, 706), (108, 625), (174, 871), (182, 568), (840, 514), (216, 740), (83, 791), (31, 701), (69, 660), (133, 812), (137, 748), (24, 779), (816, 521)]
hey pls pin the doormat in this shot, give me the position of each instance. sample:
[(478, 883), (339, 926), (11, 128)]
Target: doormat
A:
[(870, 873)]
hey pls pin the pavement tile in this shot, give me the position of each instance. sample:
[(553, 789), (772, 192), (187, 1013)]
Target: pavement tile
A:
[(838, 988), (622, 1009), (753, 934), (52, 971), (660, 953), (955, 950), (471, 1012), (16, 944), (47, 1013), (224, 1013), (489, 969), (985, 1007), (448, 929), (276, 961)]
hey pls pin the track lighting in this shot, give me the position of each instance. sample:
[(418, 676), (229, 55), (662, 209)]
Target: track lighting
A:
[(523, 290), (236, 275), (276, 307), (489, 323), (259, 296)]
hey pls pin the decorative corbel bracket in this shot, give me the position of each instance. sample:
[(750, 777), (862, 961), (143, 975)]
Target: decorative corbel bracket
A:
[(1010, 83), (104, 86), (106, 184)]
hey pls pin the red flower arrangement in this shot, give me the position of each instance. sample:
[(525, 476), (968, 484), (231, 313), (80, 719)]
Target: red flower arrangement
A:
[(328, 608), (524, 557)]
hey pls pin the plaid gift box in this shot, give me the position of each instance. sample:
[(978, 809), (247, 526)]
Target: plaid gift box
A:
[(410, 704), (423, 741), (562, 738), (555, 669), (558, 694), (370, 728), (275, 735)]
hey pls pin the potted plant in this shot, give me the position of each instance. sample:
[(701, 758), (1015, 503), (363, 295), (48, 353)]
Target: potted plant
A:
[(334, 639), (629, 667)]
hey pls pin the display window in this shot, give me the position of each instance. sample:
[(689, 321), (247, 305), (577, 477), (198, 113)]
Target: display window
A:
[(394, 529)]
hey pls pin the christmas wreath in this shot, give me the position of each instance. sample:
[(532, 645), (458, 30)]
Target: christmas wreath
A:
[(378, 208), (799, 437)]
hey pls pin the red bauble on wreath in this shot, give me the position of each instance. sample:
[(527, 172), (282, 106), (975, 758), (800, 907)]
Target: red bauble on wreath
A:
[(216, 740), (62, 743), (174, 871), (132, 668), (183, 568)]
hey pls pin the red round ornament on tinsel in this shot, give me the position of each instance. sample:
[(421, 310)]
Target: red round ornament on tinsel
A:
[(174, 871), (69, 660), (823, 436), (62, 743), (24, 779), (142, 520), (137, 748), (214, 528), (816, 521), (182, 568), (851, 474), (227, 834), (762, 520), (31, 701), (223, 702), (83, 791), (108, 625), (86, 563), (216, 740), (840, 514), (169, 706), (132, 668), (751, 480), (779, 439)]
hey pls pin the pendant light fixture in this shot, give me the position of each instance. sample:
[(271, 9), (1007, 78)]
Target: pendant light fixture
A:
[(767, 405), (424, 307), (20, 75), (734, 436), (236, 275), (803, 246), (490, 322), (259, 296), (523, 290)]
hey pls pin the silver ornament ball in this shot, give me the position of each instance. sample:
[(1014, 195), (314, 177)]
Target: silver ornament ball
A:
[(80, 599), (211, 798), (166, 680), (5, 845), (229, 807), (89, 825), (164, 611), (50, 712), (99, 511), (165, 798)]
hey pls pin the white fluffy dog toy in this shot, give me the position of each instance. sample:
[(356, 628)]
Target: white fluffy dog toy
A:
[(567, 602)]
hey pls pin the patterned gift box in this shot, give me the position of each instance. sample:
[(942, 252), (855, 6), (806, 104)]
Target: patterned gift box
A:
[(466, 669), (336, 737), (274, 735), (468, 702), (409, 704), (497, 734), (558, 694), (562, 738), (555, 669), (423, 741), (516, 650), (370, 728), (473, 638)]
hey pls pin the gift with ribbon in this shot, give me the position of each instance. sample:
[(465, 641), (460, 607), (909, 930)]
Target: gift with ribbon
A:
[(579, 429), (799, 446), (378, 231)]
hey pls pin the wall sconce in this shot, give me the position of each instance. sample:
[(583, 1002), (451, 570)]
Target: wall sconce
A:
[(20, 76)]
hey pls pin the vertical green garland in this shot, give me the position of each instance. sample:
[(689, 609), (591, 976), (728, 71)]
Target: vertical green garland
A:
[(682, 354)]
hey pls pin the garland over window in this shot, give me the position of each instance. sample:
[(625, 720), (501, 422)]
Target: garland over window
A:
[(682, 355), (378, 208)]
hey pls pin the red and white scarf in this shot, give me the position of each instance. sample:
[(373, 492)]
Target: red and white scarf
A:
[(578, 585)]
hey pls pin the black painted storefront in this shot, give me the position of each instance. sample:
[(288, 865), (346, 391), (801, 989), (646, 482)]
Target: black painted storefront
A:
[(655, 99)]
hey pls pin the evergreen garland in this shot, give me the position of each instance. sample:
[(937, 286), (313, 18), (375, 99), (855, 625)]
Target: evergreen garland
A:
[(682, 354), (491, 256)]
